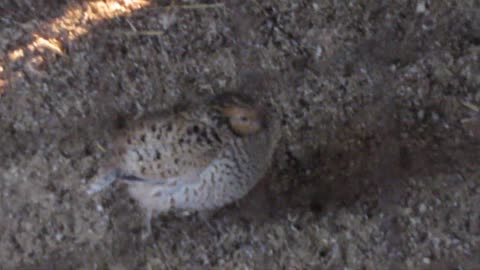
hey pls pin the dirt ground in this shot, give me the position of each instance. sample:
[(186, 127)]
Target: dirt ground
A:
[(378, 167)]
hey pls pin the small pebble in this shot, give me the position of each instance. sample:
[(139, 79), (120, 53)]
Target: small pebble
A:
[(422, 208), (59, 237), (421, 7)]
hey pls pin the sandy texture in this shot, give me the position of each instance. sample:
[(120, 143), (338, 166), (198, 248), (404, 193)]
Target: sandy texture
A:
[(378, 167)]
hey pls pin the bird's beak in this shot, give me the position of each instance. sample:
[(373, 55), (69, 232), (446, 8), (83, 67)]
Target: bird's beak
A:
[(262, 115)]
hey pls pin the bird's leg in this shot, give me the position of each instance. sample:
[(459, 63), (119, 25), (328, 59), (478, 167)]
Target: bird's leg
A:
[(147, 233)]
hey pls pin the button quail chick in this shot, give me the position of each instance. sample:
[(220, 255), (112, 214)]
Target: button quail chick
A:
[(200, 158)]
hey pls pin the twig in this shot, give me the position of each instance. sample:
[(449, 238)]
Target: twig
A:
[(262, 9), (201, 6), (99, 146), (471, 106), (194, 6), (141, 33)]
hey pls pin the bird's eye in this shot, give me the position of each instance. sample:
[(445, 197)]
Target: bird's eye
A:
[(244, 119)]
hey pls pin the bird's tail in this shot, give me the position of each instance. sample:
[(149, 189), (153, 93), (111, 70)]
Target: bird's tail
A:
[(103, 181)]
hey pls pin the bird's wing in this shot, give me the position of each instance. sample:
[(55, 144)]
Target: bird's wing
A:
[(175, 148)]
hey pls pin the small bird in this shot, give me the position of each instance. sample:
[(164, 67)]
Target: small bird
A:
[(199, 158)]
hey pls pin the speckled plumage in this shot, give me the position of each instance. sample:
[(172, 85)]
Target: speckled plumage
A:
[(200, 158)]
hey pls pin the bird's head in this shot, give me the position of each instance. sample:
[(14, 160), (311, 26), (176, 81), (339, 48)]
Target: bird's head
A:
[(244, 115)]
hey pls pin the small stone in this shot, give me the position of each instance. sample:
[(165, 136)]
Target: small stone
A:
[(28, 226), (421, 7), (406, 211), (59, 237), (421, 114), (422, 208), (318, 52), (426, 260), (222, 83)]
